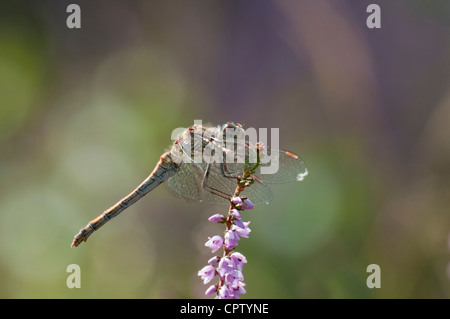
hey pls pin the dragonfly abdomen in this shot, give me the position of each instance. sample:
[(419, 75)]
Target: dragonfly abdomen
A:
[(164, 169)]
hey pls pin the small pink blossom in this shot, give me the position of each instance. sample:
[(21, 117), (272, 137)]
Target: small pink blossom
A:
[(214, 243), (207, 273)]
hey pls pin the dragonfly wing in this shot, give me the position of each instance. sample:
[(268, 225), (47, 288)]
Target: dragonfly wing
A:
[(291, 168), (187, 183), (258, 193)]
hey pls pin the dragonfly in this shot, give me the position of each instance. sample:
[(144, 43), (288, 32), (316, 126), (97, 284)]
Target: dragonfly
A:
[(203, 165)]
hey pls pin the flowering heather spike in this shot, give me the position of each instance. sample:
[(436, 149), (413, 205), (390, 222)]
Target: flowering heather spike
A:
[(229, 266)]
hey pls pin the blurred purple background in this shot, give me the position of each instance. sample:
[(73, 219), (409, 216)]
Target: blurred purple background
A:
[(86, 113)]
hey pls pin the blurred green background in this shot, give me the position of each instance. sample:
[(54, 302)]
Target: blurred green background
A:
[(86, 113)]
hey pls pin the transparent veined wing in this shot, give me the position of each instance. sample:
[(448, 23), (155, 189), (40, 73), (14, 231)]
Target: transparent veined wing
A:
[(290, 168), (276, 166), (258, 192), (187, 184)]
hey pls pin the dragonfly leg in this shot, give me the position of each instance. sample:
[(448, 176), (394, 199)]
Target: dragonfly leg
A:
[(210, 189)]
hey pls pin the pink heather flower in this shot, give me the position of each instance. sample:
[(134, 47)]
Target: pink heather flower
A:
[(236, 213), (213, 260), (218, 218), (207, 273), (239, 223), (247, 204), (224, 267), (238, 260), (212, 289), (239, 290), (242, 232), (233, 278), (214, 243), (231, 240), (224, 293)]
